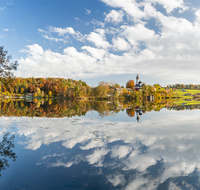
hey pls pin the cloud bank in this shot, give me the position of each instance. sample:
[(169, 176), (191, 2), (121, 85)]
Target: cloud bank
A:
[(125, 43)]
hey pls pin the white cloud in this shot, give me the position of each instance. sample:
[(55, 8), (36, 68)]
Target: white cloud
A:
[(170, 5), (98, 38), (35, 49), (120, 44), (171, 48), (48, 63), (197, 13), (88, 11), (98, 23), (6, 29), (138, 33), (54, 39), (62, 31), (2, 9), (115, 16), (76, 18), (132, 8), (94, 52)]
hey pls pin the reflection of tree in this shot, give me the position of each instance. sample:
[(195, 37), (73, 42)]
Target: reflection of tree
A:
[(62, 108), (130, 112), (6, 151)]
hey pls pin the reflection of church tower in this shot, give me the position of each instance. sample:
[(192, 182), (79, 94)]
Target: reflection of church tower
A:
[(137, 79), (139, 113), (138, 117)]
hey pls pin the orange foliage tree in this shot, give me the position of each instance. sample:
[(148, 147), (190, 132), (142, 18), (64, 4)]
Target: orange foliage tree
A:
[(130, 84)]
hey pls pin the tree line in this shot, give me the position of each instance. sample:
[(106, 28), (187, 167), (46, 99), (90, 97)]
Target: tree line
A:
[(185, 86), (70, 88), (45, 87)]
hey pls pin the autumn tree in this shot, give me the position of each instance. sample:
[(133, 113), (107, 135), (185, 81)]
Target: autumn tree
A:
[(144, 92), (50, 94), (38, 91), (130, 84), (157, 86), (102, 89), (22, 90)]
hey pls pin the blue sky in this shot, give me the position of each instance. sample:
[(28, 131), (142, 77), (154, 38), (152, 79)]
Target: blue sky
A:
[(110, 40)]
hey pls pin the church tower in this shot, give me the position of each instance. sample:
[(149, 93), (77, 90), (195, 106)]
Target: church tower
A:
[(137, 79)]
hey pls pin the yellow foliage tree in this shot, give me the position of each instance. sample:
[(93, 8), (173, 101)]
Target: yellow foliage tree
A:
[(50, 94), (22, 90)]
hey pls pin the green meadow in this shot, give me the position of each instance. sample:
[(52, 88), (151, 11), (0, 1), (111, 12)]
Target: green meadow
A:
[(182, 94), (181, 101)]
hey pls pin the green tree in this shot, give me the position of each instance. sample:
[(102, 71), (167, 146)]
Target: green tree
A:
[(102, 89), (77, 90), (6, 67)]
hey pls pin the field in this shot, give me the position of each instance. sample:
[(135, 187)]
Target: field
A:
[(179, 93), (182, 101), (186, 99)]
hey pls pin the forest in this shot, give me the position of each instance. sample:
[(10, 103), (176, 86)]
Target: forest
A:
[(73, 89), (42, 87)]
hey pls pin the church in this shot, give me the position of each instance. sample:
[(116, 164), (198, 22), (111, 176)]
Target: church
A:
[(139, 84)]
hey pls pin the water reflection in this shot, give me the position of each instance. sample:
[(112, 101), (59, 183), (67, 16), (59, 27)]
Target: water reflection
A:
[(50, 108), (159, 152), (6, 151)]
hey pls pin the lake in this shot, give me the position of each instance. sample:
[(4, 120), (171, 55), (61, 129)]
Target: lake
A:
[(99, 145)]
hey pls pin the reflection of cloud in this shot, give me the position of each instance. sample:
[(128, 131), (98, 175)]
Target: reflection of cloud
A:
[(120, 152), (136, 184), (173, 186), (139, 161), (93, 143), (97, 157), (60, 162), (117, 179), (166, 139)]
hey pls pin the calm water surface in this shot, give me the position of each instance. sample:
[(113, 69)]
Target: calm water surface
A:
[(160, 150)]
